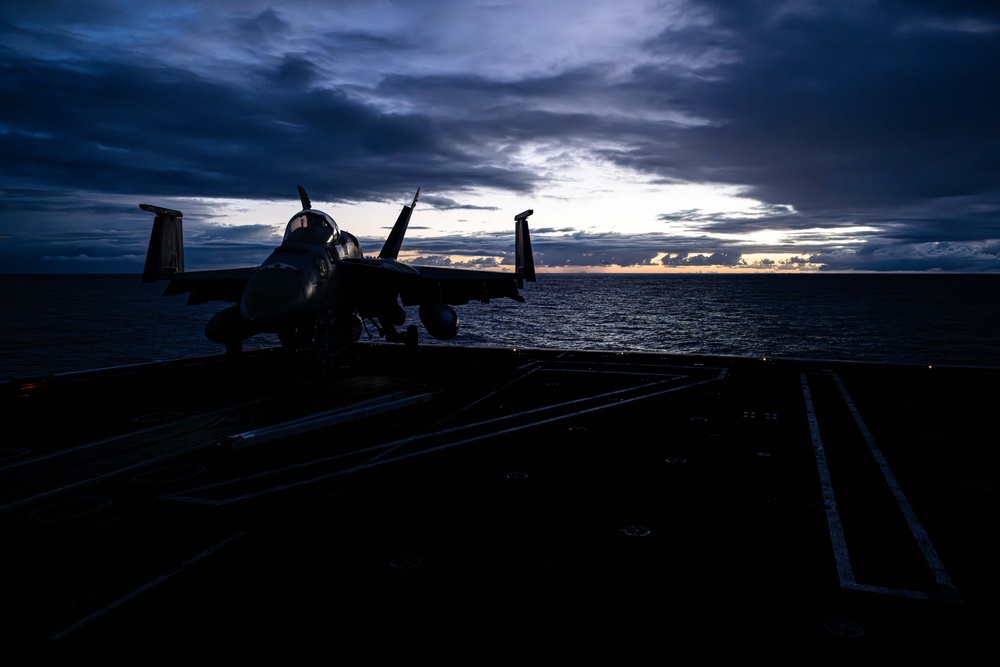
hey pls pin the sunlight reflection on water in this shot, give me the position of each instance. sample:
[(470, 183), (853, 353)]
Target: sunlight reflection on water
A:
[(68, 323)]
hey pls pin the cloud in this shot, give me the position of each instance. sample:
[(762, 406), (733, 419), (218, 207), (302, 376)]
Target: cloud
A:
[(863, 136)]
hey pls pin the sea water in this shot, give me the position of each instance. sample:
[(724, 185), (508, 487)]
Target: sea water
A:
[(66, 323)]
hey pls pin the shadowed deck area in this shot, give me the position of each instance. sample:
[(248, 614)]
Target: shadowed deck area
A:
[(437, 499)]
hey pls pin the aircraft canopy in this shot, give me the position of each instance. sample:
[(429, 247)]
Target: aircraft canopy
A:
[(311, 226)]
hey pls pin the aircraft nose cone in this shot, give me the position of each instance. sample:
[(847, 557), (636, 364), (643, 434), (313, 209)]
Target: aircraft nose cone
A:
[(274, 296)]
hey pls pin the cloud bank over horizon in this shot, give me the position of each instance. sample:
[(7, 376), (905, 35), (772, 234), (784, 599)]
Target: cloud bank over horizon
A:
[(669, 135)]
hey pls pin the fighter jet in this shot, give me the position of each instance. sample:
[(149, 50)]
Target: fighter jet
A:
[(317, 289)]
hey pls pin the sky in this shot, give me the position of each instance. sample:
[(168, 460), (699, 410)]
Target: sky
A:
[(646, 136)]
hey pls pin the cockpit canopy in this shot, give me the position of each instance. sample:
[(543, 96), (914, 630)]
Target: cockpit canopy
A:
[(311, 226)]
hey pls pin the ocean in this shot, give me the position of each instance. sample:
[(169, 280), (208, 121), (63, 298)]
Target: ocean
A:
[(67, 323)]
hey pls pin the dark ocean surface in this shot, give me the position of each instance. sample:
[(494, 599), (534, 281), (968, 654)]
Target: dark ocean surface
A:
[(66, 323)]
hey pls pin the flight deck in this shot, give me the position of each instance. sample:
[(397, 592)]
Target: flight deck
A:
[(439, 500)]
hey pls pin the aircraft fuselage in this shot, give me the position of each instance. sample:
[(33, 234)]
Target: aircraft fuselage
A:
[(298, 280), (297, 289)]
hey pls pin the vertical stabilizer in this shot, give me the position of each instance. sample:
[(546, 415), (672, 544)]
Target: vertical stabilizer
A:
[(165, 254), (524, 261), (395, 241)]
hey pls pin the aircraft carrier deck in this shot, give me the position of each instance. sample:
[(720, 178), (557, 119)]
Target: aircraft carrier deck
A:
[(484, 502)]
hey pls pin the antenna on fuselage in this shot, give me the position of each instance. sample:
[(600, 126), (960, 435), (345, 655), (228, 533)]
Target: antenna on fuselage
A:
[(306, 204)]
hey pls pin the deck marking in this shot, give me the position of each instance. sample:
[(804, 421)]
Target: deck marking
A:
[(378, 460), (85, 446), (845, 572), (360, 410), (530, 371), (545, 366), (379, 449), (840, 553), (205, 421), (148, 585), (98, 478), (930, 555)]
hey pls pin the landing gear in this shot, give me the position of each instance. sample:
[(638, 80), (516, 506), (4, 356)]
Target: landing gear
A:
[(409, 337), (293, 340), (345, 330), (385, 320), (323, 333)]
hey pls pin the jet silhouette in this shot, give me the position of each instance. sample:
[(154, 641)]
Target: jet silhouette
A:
[(317, 289)]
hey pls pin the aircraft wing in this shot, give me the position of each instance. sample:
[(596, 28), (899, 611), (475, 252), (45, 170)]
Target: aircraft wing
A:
[(458, 286), (376, 280), (213, 285), (417, 285)]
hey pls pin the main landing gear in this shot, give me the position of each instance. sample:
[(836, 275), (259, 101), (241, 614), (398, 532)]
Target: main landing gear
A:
[(392, 335)]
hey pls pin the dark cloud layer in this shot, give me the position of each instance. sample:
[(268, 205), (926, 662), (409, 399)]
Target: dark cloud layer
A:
[(868, 132)]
